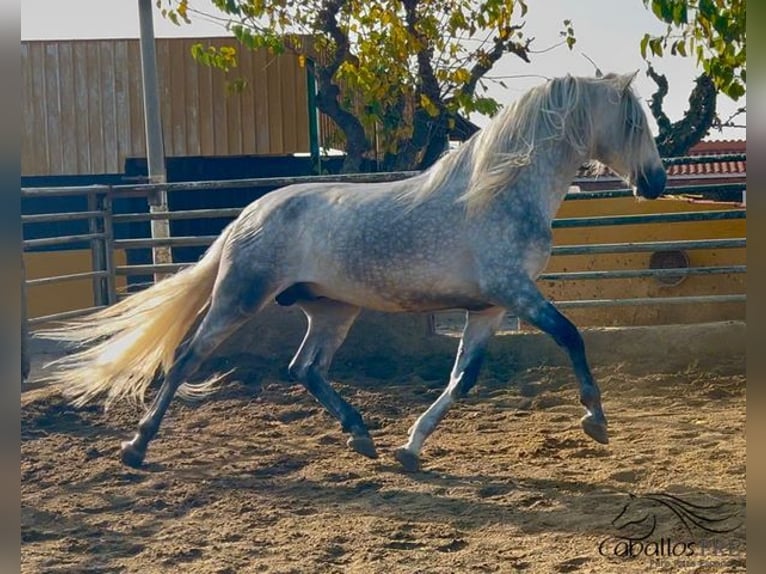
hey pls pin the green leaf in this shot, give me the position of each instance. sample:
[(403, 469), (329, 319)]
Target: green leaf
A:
[(644, 44), (680, 13), (735, 91)]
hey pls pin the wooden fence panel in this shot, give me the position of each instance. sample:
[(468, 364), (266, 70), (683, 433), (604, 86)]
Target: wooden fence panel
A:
[(83, 105)]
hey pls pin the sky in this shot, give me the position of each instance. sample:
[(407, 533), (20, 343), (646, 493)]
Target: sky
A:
[(607, 31)]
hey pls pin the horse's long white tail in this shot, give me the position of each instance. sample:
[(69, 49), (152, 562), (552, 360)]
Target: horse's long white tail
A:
[(122, 348)]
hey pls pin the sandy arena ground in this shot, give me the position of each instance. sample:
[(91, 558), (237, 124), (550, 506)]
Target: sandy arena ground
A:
[(258, 479)]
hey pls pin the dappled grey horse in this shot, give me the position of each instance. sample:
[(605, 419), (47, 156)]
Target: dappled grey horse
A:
[(472, 232)]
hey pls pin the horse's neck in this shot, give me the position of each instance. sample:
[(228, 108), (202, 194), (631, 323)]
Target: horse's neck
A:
[(548, 178)]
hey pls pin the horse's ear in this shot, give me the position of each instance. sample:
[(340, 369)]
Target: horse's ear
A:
[(625, 81)]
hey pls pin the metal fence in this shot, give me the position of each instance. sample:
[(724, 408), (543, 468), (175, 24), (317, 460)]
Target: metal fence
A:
[(100, 239), (101, 221)]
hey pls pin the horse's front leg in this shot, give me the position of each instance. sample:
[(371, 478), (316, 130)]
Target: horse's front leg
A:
[(479, 327), (529, 304)]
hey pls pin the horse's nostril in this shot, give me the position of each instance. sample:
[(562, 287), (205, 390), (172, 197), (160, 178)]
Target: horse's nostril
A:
[(651, 184)]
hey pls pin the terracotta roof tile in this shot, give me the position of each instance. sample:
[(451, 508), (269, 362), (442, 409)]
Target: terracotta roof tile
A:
[(733, 168)]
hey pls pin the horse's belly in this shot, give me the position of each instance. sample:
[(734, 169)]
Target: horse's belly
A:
[(402, 298)]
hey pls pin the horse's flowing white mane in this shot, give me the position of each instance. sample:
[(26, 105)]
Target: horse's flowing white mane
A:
[(559, 111)]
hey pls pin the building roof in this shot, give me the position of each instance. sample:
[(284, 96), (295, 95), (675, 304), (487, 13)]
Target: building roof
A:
[(720, 168)]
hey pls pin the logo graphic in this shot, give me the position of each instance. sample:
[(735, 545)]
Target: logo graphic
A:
[(637, 533), (638, 518)]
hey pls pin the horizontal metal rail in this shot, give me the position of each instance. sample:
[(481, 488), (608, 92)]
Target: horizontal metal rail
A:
[(562, 276), (160, 268), (689, 300), (64, 278), (172, 241), (64, 190), (648, 246), (63, 240), (69, 216), (63, 316), (697, 190), (636, 273), (146, 188), (561, 250), (231, 212), (586, 249), (133, 189), (597, 221)]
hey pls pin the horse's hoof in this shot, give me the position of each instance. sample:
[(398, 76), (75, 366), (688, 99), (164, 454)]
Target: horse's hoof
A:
[(410, 462), (130, 455), (363, 445), (595, 429)]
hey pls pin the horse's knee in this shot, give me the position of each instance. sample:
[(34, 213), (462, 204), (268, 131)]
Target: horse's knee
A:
[(296, 372), (298, 369), (469, 376), (307, 362)]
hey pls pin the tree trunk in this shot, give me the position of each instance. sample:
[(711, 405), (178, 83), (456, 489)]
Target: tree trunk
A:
[(357, 144), (677, 138)]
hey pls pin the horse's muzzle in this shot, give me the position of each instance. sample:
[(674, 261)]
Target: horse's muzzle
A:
[(651, 183)]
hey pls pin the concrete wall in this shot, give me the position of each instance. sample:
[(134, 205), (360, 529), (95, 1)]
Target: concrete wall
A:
[(388, 346)]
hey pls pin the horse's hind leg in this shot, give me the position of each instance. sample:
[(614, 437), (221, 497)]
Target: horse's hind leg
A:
[(479, 327), (225, 316), (531, 306), (328, 325)]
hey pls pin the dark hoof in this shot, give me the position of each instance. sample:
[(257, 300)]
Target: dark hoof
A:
[(410, 462), (363, 445), (130, 455), (595, 429)]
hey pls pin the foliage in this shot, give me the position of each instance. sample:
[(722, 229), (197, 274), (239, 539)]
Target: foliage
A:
[(712, 30), (404, 70)]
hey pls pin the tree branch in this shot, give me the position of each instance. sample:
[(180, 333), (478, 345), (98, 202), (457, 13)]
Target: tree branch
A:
[(428, 131), (677, 138), (499, 48), (328, 91)]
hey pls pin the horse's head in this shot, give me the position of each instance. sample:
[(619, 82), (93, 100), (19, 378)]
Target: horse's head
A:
[(621, 136)]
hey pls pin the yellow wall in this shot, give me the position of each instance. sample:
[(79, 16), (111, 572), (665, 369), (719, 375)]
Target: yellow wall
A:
[(646, 287), (62, 296)]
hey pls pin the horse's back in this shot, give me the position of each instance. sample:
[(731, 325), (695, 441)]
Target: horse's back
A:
[(360, 243)]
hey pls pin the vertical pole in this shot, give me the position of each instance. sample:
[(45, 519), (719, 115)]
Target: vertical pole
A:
[(313, 118), (25, 362), (111, 279), (97, 252), (158, 200)]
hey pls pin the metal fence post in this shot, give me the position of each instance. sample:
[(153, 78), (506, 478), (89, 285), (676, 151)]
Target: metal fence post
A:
[(155, 156), (97, 251), (110, 279), (25, 362)]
